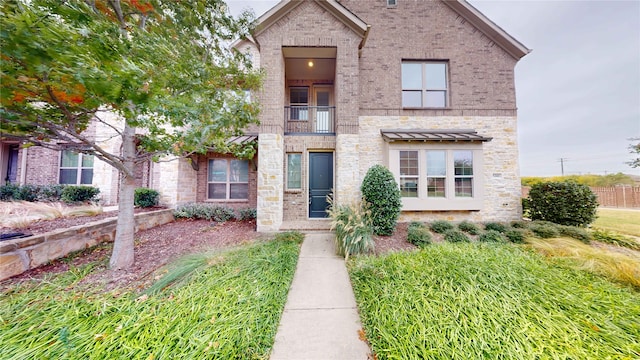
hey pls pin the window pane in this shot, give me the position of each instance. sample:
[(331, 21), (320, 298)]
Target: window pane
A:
[(68, 176), (239, 171), (409, 187), (412, 98), (436, 163), (87, 160), (408, 163), (435, 74), (436, 99), (411, 76), (299, 96), (217, 191), (86, 176), (239, 191), (464, 187), (294, 171), (69, 159), (436, 187), (218, 170), (463, 163)]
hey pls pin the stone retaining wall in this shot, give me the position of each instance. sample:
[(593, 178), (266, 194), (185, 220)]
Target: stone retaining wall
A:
[(20, 255)]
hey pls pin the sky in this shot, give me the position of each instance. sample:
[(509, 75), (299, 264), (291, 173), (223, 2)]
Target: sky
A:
[(578, 91)]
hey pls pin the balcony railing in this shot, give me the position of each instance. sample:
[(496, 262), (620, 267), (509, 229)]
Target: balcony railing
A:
[(309, 119)]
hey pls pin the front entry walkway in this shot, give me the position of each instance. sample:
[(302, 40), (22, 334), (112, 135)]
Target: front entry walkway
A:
[(320, 319)]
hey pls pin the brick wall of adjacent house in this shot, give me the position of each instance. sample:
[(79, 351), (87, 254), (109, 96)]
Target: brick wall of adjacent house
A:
[(202, 178), (481, 74)]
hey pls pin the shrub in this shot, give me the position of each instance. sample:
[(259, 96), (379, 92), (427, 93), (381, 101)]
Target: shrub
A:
[(469, 228), (204, 211), (610, 237), (27, 193), (516, 236), (354, 231), (8, 192), (247, 214), (76, 194), (519, 224), (51, 192), (544, 230), (455, 236), (440, 226), (381, 192), (144, 197), (577, 233), (293, 236), (564, 203), (491, 236), (495, 226), (418, 234)]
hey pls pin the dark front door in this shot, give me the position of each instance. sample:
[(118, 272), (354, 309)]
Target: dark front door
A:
[(320, 183)]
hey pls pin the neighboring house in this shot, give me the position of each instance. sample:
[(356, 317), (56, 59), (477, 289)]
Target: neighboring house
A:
[(425, 88)]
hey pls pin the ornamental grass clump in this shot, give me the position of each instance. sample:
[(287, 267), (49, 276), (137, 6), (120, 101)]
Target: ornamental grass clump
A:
[(440, 226), (577, 233), (469, 227), (353, 226), (418, 234), (614, 238)]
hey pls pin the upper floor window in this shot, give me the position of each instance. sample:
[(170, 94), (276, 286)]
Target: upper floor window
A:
[(76, 168), (424, 84), (392, 3), (228, 179), (299, 100)]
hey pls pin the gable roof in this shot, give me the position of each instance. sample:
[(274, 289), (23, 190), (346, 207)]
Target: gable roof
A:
[(507, 42)]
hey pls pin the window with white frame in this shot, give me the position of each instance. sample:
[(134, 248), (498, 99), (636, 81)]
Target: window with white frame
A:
[(392, 3), (438, 176), (424, 84), (228, 179), (75, 168), (294, 171), (299, 101)]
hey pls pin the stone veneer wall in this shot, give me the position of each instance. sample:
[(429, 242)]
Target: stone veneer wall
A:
[(501, 173), (270, 182), (20, 255), (348, 179), (176, 180)]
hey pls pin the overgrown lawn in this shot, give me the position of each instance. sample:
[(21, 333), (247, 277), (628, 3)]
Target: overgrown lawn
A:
[(227, 306), (470, 301), (622, 221)]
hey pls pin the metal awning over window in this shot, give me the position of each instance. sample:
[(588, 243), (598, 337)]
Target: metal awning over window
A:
[(390, 135), (242, 139)]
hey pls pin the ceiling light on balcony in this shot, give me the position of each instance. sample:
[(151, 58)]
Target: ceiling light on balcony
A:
[(310, 63)]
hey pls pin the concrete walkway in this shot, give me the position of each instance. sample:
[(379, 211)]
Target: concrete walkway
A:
[(320, 319)]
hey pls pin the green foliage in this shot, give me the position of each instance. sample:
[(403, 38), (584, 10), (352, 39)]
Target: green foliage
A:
[(614, 238), (79, 194), (353, 227), (577, 233), (441, 226), (455, 236), (469, 227), (492, 236), (491, 302), (8, 191), (544, 229), (588, 180), (290, 236), (144, 197), (31, 193), (204, 211), (516, 236), (51, 192), (222, 305), (381, 192), (418, 234), (564, 203), (635, 150), (247, 214), (495, 226), (519, 224)]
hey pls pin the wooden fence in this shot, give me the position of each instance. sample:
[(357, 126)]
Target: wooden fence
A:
[(614, 196)]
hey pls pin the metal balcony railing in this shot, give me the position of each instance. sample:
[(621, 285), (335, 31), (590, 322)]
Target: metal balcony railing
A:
[(309, 119)]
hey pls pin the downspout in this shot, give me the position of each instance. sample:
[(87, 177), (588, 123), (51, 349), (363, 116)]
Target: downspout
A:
[(23, 167), (364, 40)]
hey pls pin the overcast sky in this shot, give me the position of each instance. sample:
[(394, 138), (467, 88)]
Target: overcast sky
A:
[(578, 91)]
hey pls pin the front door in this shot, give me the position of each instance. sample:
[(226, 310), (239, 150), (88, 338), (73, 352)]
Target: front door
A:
[(320, 183)]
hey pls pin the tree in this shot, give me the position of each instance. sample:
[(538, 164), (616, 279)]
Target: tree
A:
[(634, 149), (381, 191), (163, 66)]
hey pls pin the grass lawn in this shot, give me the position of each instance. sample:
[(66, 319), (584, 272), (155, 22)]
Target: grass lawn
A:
[(622, 221), (228, 307), (471, 301)]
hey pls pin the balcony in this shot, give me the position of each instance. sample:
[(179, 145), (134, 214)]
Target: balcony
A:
[(300, 119)]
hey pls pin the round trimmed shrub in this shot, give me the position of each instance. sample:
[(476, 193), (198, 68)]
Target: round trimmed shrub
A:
[(544, 230), (516, 235), (380, 190), (456, 236), (469, 228), (491, 236), (79, 194), (441, 226), (495, 226), (564, 203), (144, 197), (418, 234)]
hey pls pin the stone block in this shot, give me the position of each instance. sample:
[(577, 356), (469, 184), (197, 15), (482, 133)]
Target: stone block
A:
[(11, 265)]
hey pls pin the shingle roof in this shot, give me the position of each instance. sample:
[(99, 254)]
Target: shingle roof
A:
[(390, 135)]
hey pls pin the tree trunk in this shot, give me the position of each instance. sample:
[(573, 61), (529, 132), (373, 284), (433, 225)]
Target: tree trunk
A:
[(122, 256)]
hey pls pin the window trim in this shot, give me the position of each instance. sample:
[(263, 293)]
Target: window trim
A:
[(79, 168), (450, 202), (227, 182), (425, 87)]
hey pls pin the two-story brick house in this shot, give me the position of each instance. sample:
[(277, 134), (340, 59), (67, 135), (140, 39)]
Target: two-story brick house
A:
[(424, 87)]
